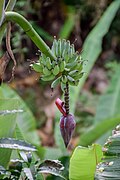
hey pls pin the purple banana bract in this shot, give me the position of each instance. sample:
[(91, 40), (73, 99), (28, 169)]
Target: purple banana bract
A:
[(67, 126)]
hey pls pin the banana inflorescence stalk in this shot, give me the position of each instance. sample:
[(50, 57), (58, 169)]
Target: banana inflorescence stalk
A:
[(65, 69), (66, 98)]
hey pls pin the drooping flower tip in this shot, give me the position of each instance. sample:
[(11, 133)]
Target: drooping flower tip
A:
[(67, 126), (60, 106)]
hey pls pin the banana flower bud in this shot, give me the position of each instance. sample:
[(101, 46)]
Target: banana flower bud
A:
[(67, 126)]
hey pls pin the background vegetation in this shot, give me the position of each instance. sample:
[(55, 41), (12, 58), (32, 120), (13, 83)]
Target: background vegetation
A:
[(94, 28)]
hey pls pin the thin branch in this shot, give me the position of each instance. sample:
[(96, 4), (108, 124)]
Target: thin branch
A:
[(8, 46)]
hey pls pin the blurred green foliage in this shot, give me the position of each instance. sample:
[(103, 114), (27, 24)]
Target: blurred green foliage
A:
[(107, 113)]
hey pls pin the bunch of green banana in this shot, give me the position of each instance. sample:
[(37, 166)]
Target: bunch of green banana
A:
[(67, 67)]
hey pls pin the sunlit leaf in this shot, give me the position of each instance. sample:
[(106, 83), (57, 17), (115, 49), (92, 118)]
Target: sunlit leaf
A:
[(83, 162), (7, 124), (26, 124)]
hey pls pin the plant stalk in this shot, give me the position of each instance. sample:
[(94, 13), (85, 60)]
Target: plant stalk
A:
[(66, 98), (29, 30)]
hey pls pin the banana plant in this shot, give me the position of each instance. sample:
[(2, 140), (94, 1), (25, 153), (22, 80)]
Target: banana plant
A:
[(61, 63), (66, 69)]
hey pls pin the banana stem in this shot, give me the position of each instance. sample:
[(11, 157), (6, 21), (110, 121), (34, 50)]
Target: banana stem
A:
[(29, 30), (66, 98)]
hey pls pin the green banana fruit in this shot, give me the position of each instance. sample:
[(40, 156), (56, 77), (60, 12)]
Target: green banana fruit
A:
[(59, 48), (47, 78), (43, 59), (53, 64), (75, 83), (78, 76), (71, 65), (63, 86), (73, 58), (73, 73), (70, 79), (48, 63), (65, 54), (63, 45), (56, 70), (72, 49), (68, 45), (37, 67), (46, 71), (55, 47), (55, 82), (79, 66), (64, 79), (62, 65), (67, 69)]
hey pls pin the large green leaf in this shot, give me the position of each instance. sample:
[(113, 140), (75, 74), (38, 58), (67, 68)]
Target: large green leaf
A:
[(83, 162), (108, 113), (7, 124), (93, 46), (26, 124)]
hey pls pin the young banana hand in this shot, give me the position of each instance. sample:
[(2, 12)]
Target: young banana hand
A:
[(67, 67)]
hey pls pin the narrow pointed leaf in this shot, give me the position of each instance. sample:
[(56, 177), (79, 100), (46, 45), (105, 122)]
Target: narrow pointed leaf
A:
[(16, 144), (28, 173)]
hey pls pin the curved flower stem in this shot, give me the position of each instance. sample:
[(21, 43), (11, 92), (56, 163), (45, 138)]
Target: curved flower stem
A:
[(29, 30), (66, 98)]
